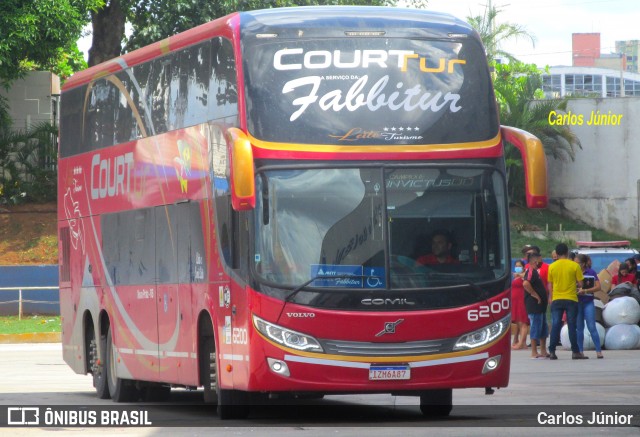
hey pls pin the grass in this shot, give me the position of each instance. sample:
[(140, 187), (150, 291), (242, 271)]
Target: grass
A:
[(29, 324), (523, 219)]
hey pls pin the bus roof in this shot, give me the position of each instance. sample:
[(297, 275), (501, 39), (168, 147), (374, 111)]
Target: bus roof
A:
[(327, 21), (220, 26), (336, 21)]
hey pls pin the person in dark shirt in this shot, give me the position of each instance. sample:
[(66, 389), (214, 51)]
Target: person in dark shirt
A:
[(636, 257), (535, 301), (586, 306)]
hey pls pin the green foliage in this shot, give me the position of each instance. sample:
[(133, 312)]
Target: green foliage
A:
[(33, 32), (517, 87), (70, 60), (28, 164), (539, 219), (153, 20), (493, 34)]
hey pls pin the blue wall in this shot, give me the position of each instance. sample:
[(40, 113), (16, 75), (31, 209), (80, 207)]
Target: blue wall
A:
[(29, 276)]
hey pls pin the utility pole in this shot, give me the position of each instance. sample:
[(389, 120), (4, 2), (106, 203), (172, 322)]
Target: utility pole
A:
[(622, 75)]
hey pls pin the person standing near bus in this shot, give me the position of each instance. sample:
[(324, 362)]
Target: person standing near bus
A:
[(535, 300), (518, 309), (587, 308), (564, 278), (623, 276)]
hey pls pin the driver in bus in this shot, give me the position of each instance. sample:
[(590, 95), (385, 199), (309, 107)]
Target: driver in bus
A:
[(440, 250)]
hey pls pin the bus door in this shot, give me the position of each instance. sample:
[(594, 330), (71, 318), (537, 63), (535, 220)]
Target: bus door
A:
[(181, 274), (192, 282), (229, 299)]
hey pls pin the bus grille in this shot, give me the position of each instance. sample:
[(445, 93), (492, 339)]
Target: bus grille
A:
[(338, 347)]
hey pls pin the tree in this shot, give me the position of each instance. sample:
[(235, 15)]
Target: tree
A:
[(518, 91), (153, 20), (39, 35), (494, 34), (108, 29), (33, 32)]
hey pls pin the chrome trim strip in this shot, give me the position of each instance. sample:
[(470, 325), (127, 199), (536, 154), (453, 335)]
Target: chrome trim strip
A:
[(360, 365), (452, 360)]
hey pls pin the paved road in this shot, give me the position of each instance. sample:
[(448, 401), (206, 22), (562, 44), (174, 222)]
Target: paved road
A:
[(36, 375)]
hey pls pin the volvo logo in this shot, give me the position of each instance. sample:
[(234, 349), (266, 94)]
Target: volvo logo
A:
[(301, 315), (389, 328), (388, 301)]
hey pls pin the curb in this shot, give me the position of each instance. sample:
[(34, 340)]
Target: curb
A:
[(39, 337)]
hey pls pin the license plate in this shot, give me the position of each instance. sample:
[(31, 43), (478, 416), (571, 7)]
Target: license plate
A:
[(389, 373)]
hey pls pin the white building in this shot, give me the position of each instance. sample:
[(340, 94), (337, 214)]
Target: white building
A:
[(602, 186), (589, 82)]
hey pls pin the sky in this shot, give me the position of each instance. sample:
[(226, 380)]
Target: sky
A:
[(550, 21), (553, 21)]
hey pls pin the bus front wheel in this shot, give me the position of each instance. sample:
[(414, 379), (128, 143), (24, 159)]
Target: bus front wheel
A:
[(208, 367), (436, 403)]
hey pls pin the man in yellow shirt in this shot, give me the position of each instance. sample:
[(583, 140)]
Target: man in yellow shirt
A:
[(565, 276)]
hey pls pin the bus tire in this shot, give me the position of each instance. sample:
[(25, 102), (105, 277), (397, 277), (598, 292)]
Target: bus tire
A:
[(96, 363), (436, 403), (208, 366), (122, 390)]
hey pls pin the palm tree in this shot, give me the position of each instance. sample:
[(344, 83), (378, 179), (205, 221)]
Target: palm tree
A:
[(493, 34), (518, 89)]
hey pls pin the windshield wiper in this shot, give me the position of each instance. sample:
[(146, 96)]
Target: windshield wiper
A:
[(316, 278), (480, 292)]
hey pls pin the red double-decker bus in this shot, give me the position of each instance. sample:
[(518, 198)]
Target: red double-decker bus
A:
[(286, 202)]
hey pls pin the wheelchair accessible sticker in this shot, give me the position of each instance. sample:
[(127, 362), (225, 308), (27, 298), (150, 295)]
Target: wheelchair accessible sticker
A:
[(347, 276)]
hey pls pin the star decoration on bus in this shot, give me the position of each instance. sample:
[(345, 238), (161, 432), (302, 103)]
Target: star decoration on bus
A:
[(401, 129)]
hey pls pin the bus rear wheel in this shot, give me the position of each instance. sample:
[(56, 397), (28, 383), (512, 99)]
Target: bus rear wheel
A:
[(436, 403), (96, 363), (122, 390)]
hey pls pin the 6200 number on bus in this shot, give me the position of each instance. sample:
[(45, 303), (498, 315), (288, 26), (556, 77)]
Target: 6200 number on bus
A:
[(487, 310)]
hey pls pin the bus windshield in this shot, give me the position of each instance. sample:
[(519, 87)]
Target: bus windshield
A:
[(373, 227), (360, 91)]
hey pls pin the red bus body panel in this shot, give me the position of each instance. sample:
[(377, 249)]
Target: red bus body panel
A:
[(155, 326)]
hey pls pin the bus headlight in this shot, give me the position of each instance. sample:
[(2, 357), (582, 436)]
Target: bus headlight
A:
[(483, 335), (287, 337)]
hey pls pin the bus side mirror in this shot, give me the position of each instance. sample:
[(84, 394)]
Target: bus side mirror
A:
[(534, 162), (243, 188)]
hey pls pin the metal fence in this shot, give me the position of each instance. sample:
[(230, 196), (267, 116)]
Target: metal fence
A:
[(21, 301)]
